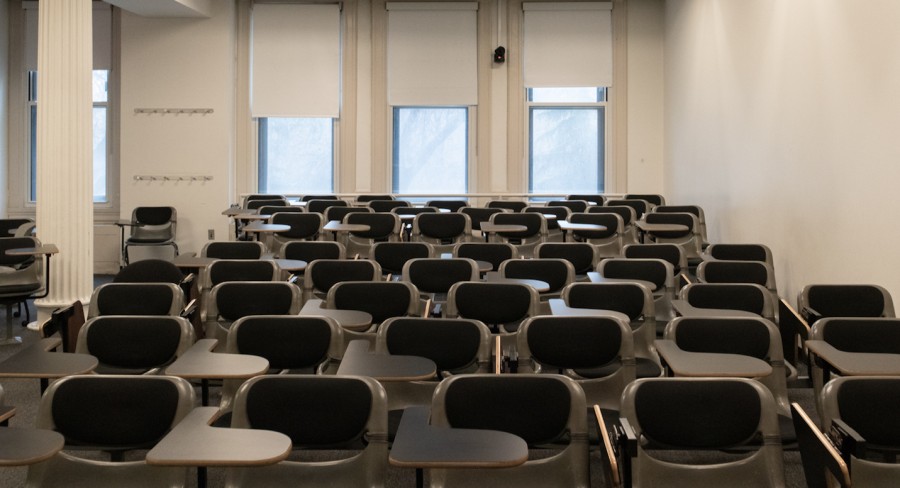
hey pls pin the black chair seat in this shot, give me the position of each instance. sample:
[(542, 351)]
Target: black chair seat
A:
[(23, 288)]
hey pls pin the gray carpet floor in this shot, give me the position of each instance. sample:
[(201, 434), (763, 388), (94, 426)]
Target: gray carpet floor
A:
[(24, 394)]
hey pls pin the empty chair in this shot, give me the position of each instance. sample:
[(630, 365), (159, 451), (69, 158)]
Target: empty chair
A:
[(316, 412), (839, 300), (693, 209), (407, 215), (224, 270), (136, 299), (455, 345), (24, 277), (16, 227), (291, 344), (753, 337), (451, 205), (387, 205), (556, 344), (489, 252), (554, 233), (322, 274), (309, 251), (501, 306), (640, 207), (480, 214), (747, 297), (113, 414), (739, 252), (393, 255), (134, 344), (304, 227), (233, 250), (593, 200), (232, 300), (260, 203), (671, 253), (151, 226), (608, 242), (556, 272), (755, 272), (155, 271), (575, 206), (442, 230), (688, 237), (371, 197), (628, 214), (319, 206), (260, 196), (511, 205), (868, 407), (635, 301), (583, 256), (541, 409), (338, 213), (659, 273), (652, 198), (274, 209), (851, 335), (703, 415), (381, 299), (435, 276), (535, 231), (383, 227), (308, 198)]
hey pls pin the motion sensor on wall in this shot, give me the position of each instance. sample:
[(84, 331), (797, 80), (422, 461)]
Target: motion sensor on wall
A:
[(500, 55)]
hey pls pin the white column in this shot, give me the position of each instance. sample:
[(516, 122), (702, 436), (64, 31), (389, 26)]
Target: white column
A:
[(64, 149)]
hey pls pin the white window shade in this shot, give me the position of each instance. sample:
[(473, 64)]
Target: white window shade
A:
[(101, 29), (296, 60), (432, 53), (568, 44)]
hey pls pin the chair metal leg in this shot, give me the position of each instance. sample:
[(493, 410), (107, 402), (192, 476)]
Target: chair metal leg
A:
[(10, 338)]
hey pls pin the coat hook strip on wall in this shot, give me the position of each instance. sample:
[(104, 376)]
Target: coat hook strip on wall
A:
[(172, 178), (175, 111)]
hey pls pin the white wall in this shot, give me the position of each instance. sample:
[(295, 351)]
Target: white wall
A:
[(180, 63), (645, 96), (4, 96), (781, 121)]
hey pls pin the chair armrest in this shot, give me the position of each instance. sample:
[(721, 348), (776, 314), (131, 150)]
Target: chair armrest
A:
[(66, 321), (189, 310), (792, 325), (847, 440), (817, 452), (609, 455), (810, 314)]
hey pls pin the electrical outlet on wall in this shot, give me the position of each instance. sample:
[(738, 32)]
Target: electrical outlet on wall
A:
[(211, 233)]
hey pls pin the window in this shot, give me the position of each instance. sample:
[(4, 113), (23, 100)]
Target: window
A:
[(100, 97), (430, 149), (296, 155), (566, 139)]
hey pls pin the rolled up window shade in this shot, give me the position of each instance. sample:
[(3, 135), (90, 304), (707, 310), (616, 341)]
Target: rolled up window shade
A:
[(432, 53), (295, 60), (567, 44)]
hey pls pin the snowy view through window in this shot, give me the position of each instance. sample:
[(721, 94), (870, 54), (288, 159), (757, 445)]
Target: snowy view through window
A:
[(296, 155), (430, 150)]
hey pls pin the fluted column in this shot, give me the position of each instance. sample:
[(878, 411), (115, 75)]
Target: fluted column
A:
[(64, 149)]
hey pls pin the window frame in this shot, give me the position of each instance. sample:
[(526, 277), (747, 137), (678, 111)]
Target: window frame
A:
[(471, 135), (528, 106), (261, 123), (19, 171)]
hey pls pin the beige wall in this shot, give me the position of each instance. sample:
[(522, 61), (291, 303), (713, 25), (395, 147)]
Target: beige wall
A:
[(196, 63), (4, 93), (781, 121), (179, 63)]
